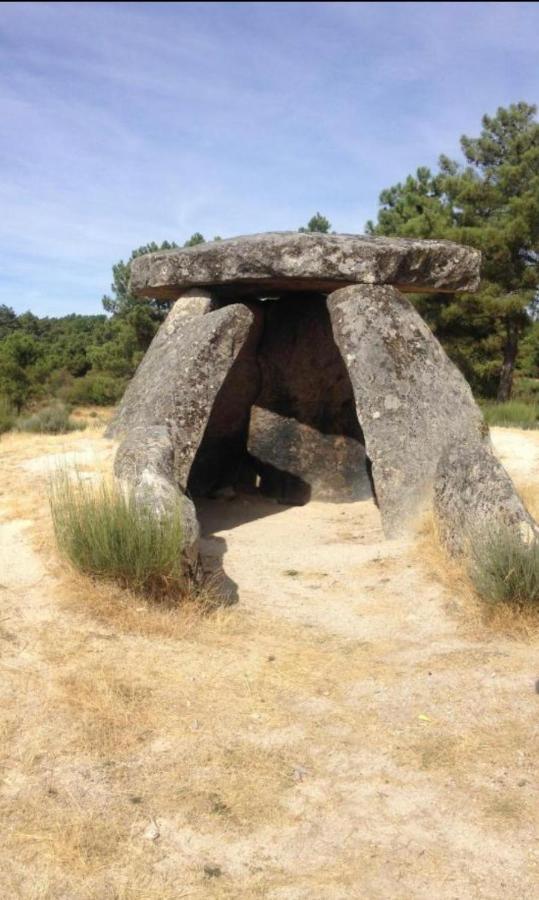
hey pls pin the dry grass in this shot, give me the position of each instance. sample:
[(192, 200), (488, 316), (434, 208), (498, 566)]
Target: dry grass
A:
[(440, 748), (530, 494), (507, 809), (475, 617), (94, 417), (126, 612), (141, 744)]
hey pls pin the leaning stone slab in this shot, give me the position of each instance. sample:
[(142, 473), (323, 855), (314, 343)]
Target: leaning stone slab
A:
[(333, 466), (149, 394), (179, 378), (474, 494), (291, 261), (145, 462), (167, 406), (424, 434)]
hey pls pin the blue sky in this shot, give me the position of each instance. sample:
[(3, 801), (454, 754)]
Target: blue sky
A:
[(126, 123)]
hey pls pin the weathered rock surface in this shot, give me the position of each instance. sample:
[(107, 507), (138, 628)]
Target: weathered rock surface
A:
[(290, 261), (167, 405), (302, 371), (149, 393), (333, 466), (473, 493), (179, 379), (145, 461), (222, 449), (416, 411)]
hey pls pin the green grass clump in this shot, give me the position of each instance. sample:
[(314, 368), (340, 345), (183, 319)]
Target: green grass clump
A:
[(7, 415), (105, 532), (505, 569), (526, 389), (52, 419), (514, 413)]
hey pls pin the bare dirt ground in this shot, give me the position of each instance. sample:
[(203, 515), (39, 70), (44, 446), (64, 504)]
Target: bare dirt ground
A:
[(350, 729)]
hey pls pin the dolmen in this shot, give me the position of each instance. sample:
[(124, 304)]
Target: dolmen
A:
[(293, 364)]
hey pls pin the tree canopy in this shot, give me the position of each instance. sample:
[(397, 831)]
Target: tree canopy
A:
[(122, 301), (318, 222), (491, 202)]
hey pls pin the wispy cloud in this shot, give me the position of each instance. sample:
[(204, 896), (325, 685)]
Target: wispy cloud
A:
[(124, 123)]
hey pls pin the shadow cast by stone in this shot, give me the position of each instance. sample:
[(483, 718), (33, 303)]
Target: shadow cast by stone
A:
[(216, 515)]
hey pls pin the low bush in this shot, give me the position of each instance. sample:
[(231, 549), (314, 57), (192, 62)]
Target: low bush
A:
[(7, 416), (97, 388), (505, 569), (514, 413), (526, 390), (52, 419), (106, 532)]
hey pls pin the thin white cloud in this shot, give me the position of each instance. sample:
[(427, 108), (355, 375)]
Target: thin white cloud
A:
[(125, 123)]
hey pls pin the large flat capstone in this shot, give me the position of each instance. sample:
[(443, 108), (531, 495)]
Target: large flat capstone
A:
[(292, 261)]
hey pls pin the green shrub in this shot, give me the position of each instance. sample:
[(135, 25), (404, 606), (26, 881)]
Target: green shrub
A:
[(106, 532), (514, 413), (96, 388), (52, 419), (503, 568), (7, 415), (526, 389)]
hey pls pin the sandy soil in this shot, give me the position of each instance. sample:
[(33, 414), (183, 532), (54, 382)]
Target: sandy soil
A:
[(349, 729)]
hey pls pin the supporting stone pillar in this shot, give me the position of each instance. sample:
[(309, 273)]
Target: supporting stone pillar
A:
[(167, 406), (418, 418)]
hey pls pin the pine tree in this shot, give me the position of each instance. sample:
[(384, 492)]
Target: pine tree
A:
[(490, 202), (122, 301), (317, 223)]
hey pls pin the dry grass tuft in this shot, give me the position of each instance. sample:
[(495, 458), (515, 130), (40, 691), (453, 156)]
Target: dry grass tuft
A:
[(95, 418), (66, 835), (129, 613), (450, 572), (530, 496), (457, 751), (513, 621), (506, 809)]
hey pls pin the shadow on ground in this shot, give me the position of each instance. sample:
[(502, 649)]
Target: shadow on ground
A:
[(222, 515)]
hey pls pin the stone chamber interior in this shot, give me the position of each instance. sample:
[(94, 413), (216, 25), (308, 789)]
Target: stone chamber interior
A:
[(284, 423)]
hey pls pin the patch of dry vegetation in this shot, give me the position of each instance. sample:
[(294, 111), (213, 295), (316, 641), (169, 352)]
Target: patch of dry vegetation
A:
[(508, 615), (504, 569), (199, 751)]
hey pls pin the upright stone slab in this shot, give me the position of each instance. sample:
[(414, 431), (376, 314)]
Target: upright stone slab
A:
[(179, 379), (168, 404), (222, 451), (418, 416), (148, 398)]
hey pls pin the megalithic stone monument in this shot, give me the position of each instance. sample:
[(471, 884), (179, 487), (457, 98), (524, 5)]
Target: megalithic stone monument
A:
[(294, 363)]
